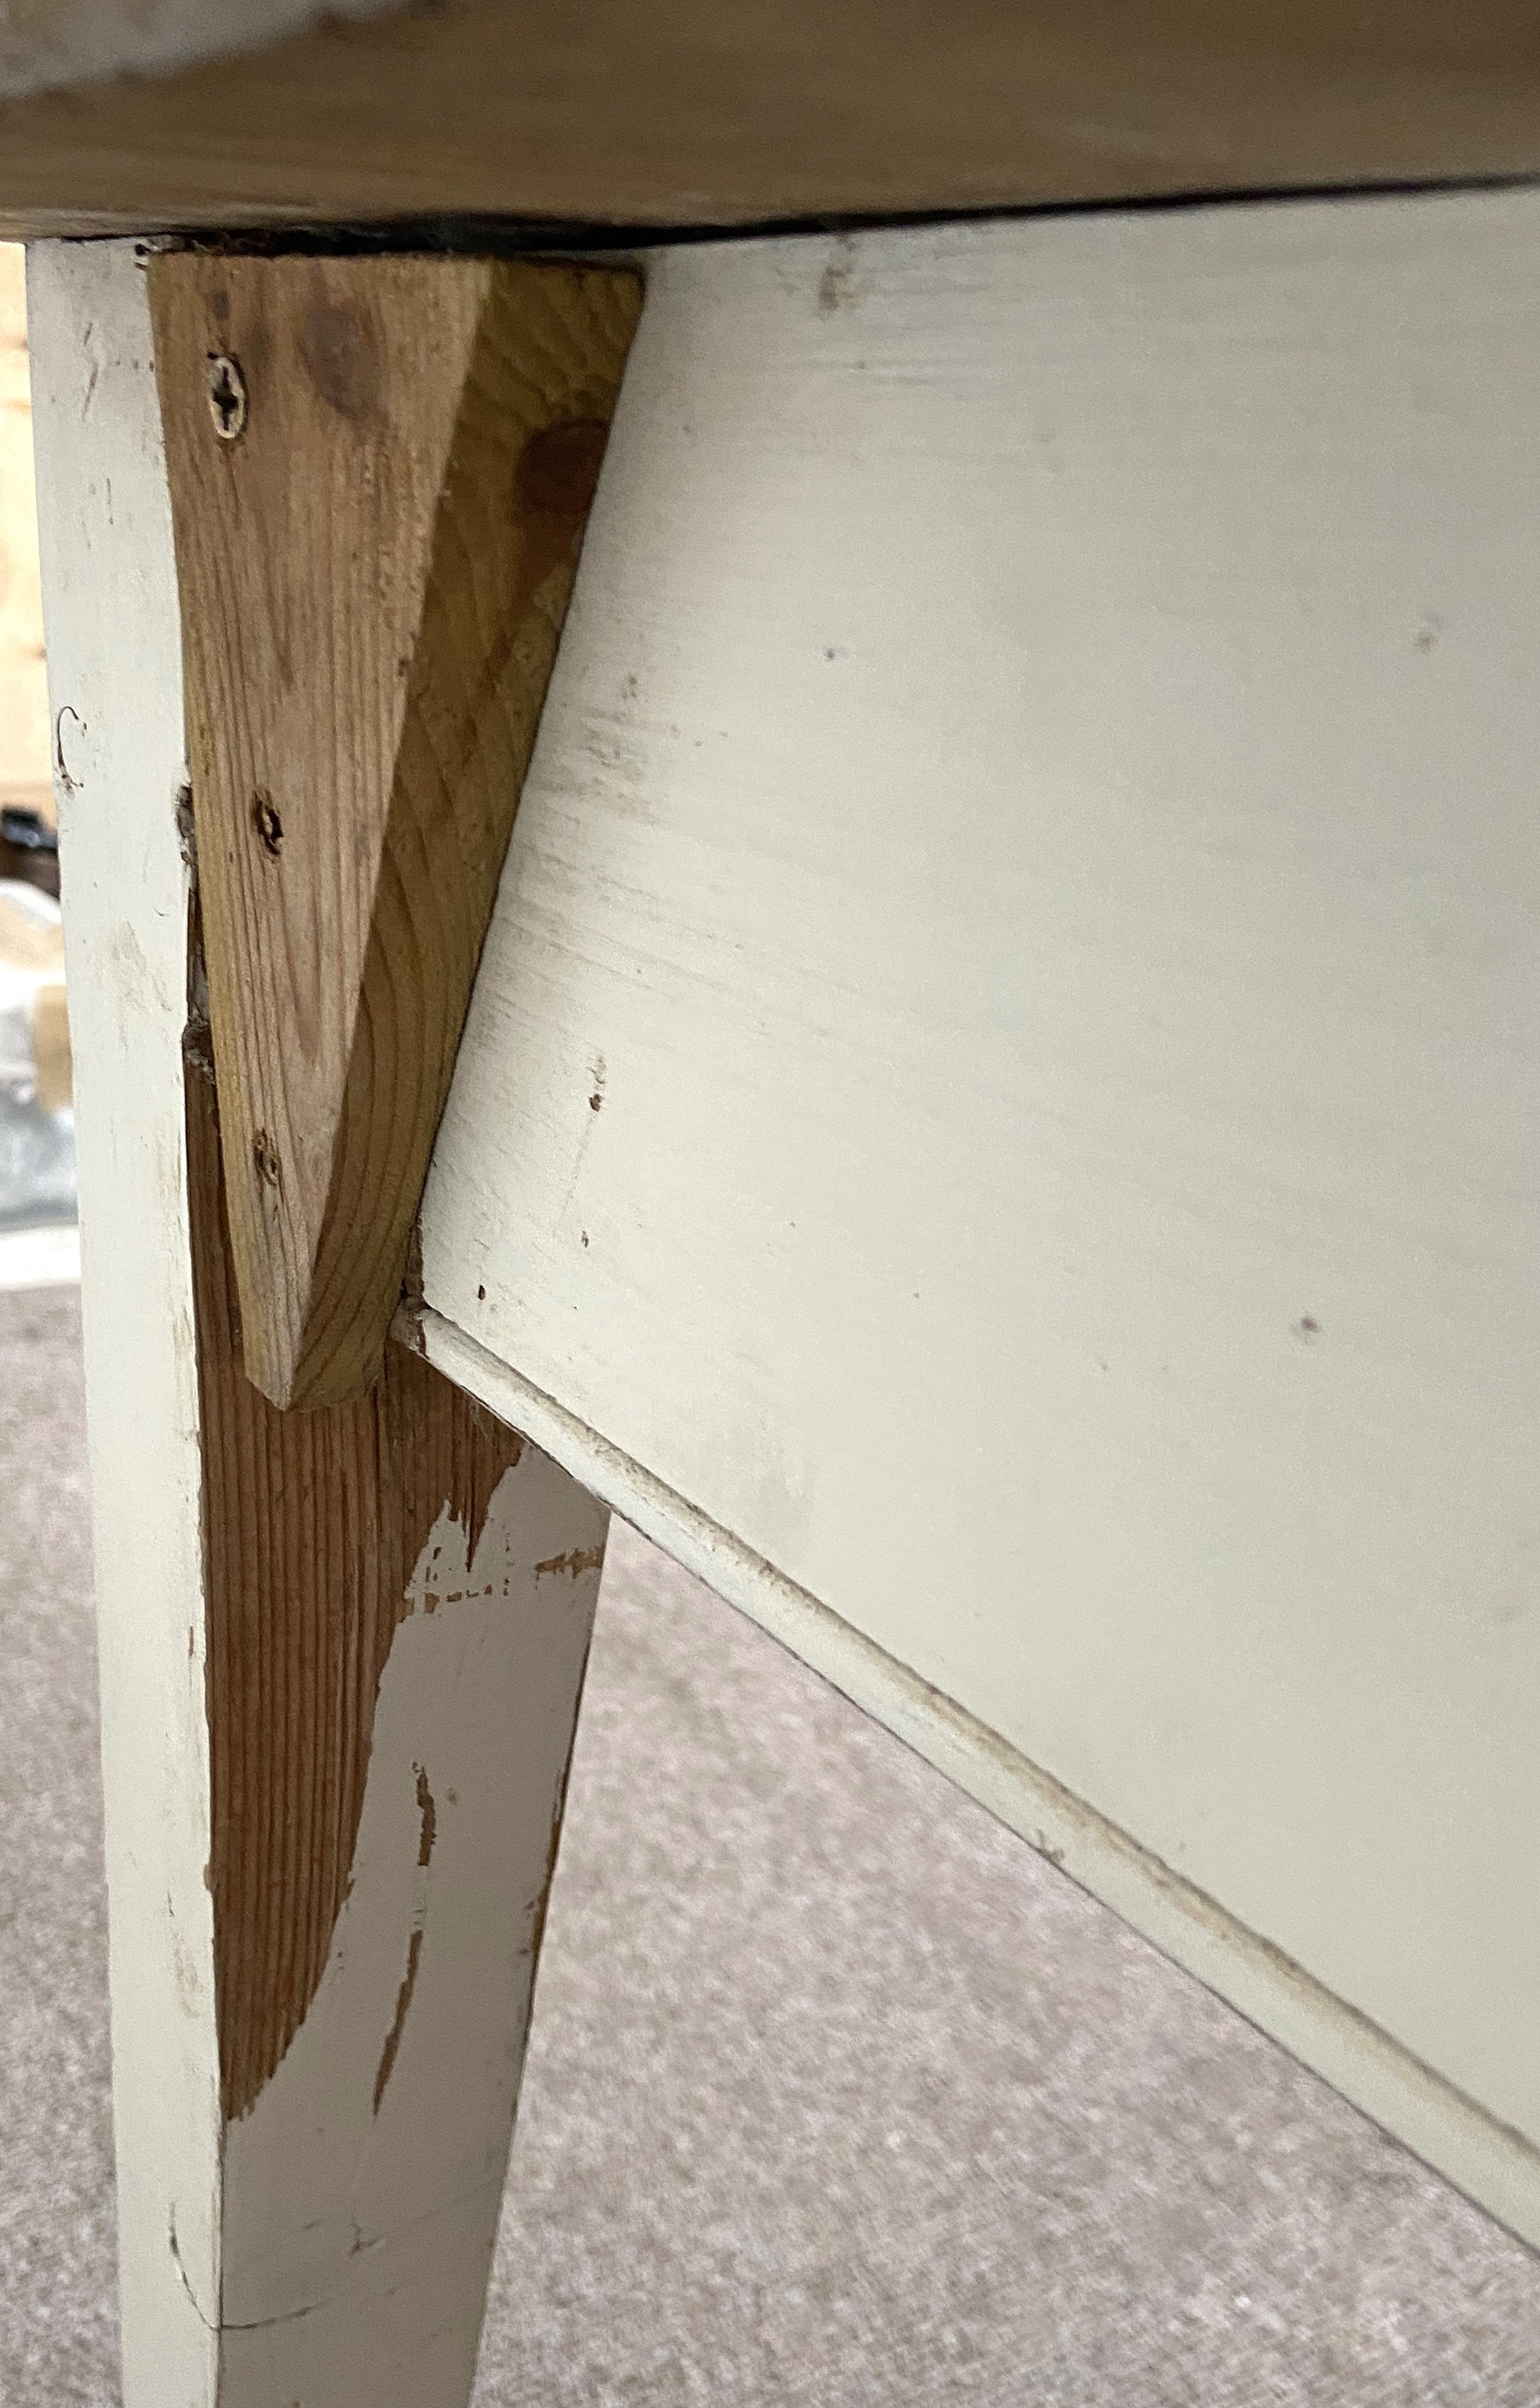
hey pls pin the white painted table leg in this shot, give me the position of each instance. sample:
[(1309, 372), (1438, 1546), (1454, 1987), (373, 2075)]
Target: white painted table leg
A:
[(341, 1652)]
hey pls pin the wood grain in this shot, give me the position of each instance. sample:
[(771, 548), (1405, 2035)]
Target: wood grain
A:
[(313, 1525), (691, 112), (373, 578)]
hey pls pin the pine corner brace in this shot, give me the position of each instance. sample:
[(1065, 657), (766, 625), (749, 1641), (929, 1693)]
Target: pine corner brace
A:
[(381, 469)]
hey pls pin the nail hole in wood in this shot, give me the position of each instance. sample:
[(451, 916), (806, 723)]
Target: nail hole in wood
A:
[(265, 820)]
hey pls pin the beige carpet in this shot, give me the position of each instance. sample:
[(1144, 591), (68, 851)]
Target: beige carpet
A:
[(837, 2095)]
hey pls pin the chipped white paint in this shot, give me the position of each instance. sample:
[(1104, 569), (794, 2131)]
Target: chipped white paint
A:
[(347, 2249), (361, 2240), (46, 44), (1003, 1069), (115, 677)]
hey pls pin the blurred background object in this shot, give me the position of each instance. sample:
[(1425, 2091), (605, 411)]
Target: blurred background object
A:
[(36, 1121), (29, 847), (26, 771)]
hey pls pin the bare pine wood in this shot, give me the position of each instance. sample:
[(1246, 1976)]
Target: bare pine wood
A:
[(360, 2180), (314, 1524), (703, 112), (376, 542)]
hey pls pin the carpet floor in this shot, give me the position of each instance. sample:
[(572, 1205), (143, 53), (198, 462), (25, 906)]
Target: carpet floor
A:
[(837, 2097)]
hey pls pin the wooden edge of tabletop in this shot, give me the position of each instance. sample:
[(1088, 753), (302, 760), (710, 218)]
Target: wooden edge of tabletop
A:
[(680, 115)]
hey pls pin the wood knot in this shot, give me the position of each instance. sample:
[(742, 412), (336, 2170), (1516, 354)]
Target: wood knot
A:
[(268, 1168), (560, 467), (342, 355)]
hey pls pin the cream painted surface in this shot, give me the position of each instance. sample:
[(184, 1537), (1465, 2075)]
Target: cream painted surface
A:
[(115, 669), (317, 2250), (1484, 2157), (1004, 1069), (357, 2244), (44, 44)]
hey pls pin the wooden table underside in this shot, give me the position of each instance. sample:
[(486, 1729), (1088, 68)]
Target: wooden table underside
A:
[(729, 112)]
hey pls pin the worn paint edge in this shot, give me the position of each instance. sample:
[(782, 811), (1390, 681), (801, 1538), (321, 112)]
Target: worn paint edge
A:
[(1491, 2163)]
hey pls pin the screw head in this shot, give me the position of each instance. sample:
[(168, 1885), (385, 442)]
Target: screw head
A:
[(226, 396)]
